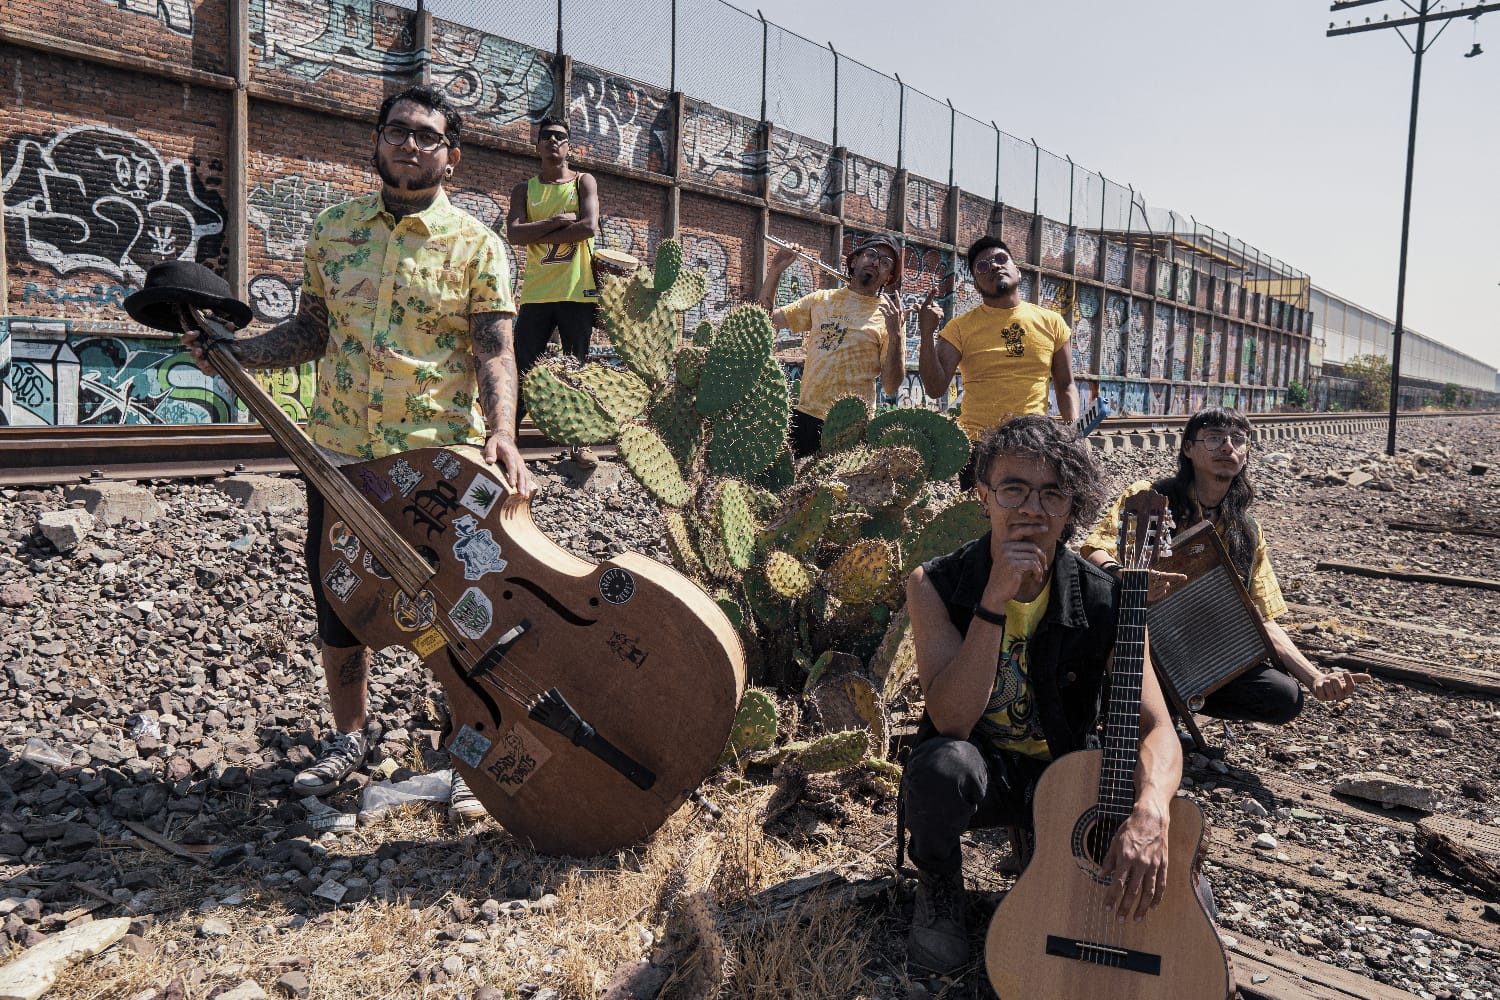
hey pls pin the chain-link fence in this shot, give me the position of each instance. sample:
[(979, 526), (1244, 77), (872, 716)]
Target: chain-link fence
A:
[(718, 54)]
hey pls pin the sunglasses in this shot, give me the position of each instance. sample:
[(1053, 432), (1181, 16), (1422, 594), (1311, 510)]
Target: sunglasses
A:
[(559, 136), (994, 263)]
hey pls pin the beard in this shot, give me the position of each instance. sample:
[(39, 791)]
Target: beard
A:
[(423, 179)]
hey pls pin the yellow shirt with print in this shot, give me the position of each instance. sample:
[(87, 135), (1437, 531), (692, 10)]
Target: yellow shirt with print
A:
[(1010, 720), (845, 342), (399, 371), (1265, 592), (1006, 361)]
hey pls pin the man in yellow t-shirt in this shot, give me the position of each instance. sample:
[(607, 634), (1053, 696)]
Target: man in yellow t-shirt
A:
[(1005, 349), (555, 215), (853, 335)]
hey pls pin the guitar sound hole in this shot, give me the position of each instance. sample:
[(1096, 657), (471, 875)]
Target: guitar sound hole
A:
[(1097, 837)]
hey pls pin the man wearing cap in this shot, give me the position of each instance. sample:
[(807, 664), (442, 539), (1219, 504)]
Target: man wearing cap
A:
[(406, 309), (1005, 349), (555, 216), (853, 335)]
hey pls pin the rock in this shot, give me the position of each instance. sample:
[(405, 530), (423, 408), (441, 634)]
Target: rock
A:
[(1265, 842), (1358, 478), (214, 927), (1252, 807), (1389, 791), (113, 503), (16, 595), (247, 990), (65, 529), (262, 493), (293, 984), (37, 969), (1441, 728)]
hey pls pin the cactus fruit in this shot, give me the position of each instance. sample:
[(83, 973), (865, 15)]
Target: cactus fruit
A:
[(565, 413), (948, 529), (618, 392), (862, 572), (747, 439), (755, 722), (844, 426), (949, 446), (651, 462), (786, 575), (736, 360), (668, 264)]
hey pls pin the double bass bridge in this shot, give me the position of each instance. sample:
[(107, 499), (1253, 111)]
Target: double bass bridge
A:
[(1095, 953)]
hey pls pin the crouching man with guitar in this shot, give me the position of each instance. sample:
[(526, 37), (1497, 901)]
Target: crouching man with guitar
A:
[(1014, 637)]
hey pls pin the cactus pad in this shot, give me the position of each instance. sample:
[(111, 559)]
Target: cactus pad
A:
[(951, 527), (769, 608), (848, 700), (833, 752), (651, 462), (566, 414), (802, 521), (641, 327), (680, 544), (668, 264), (781, 473), (736, 360), (862, 572), (844, 426), (733, 524), (689, 364), (883, 478), (755, 723), (703, 334), (671, 415), (687, 291), (748, 438), (619, 392), (948, 450), (731, 609)]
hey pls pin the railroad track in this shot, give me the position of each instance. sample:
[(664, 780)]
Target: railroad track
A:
[(37, 456)]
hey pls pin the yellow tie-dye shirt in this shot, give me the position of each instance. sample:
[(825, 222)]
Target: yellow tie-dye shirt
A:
[(399, 371), (846, 343)]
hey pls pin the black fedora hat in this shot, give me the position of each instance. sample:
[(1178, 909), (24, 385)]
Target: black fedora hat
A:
[(182, 281)]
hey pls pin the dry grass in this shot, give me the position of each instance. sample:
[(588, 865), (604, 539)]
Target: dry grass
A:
[(611, 910)]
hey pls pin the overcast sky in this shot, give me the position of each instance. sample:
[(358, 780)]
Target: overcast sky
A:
[(1244, 115)]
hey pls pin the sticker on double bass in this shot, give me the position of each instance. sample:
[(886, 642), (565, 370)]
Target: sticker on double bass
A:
[(447, 464), (429, 642), (515, 759), (341, 581), (481, 495), (469, 747), (374, 485), (404, 477), (342, 541), (413, 614), (616, 585), (476, 548), (472, 614)]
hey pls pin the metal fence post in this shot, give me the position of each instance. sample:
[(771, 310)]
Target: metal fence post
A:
[(997, 160), (835, 92), (952, 132), (900, 120), (765, 55), (1036, 180), (559, 29), (1071, 169), (672, 77)]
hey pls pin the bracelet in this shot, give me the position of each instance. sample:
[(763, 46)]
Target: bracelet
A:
[(1111, 568), (986, 615)]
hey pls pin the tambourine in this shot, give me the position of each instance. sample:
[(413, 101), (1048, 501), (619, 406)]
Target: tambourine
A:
[(614, 262)]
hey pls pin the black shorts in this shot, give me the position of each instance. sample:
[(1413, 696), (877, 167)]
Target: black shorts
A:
[(331, 629), (806, 434)]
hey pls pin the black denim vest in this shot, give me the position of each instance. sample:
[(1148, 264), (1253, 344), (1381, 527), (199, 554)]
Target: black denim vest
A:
[(1067, 657)]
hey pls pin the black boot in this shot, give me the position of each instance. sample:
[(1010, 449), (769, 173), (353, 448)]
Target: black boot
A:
[(939, 938)]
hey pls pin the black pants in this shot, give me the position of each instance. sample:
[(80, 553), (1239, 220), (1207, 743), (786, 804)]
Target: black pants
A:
[(806, 434), (950, 786), (574, 323), (1261, 694), (331, 629), (967, 473)]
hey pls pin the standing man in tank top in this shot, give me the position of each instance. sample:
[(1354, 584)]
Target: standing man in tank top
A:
[(555, 216)]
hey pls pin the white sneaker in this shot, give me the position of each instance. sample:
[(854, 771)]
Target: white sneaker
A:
[(346, 751)]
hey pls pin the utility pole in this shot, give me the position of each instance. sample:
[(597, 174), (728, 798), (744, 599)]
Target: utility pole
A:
[(1424, 15)]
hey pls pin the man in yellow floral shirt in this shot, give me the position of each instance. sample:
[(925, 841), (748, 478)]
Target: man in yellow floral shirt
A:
[(406, 308)]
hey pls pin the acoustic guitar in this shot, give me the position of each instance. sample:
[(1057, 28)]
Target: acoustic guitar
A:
[(588, 700), (1051, 937)]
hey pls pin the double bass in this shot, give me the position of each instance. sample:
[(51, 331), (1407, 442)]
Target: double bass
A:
[(1051, 938), (588, 701)]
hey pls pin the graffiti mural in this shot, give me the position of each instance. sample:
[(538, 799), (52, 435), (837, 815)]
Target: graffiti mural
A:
[(1137, 350), (924, 206), (618, 121), (1181, 358), (722, 148), (1114, 263), (1112, 349), (1085, 322), (1086, 254), (273, 298), (309, 38), (803, 173), (1161, 336), (176, 15), (796, 281), (96, 198), (701, 251), (285, 211), (490, 79), (870, 182), (1056, 242)]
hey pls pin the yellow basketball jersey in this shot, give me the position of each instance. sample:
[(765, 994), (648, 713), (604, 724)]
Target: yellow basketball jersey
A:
[(556, 272)]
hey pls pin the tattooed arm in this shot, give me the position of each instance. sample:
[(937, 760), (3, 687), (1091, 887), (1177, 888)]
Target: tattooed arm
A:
[(288, 344), (495, 372)]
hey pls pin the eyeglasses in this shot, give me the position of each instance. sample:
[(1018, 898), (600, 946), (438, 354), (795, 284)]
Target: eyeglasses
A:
[(880, 254), (993, 263), (425, 138), (1054, 501), (559, 136), (1214, 440)]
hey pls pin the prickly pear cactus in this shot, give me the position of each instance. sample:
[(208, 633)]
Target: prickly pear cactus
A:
[(806, 558), (755, 723)]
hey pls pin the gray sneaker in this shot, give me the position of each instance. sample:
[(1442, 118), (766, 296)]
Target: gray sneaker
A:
[(939, 938), (346, 751), (462, 803)]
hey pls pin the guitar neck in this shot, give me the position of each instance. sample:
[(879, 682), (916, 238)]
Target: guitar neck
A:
[(406, 567), (1123, 721)]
